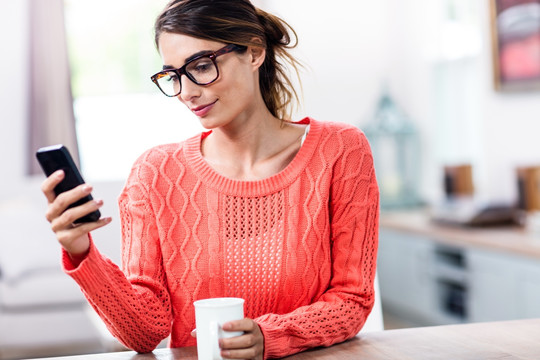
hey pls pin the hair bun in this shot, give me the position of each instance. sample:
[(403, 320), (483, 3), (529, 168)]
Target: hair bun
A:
[(274, 28)]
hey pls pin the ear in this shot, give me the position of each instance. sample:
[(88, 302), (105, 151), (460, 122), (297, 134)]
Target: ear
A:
[(257, 54)]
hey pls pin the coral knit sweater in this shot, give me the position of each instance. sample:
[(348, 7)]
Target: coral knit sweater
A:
[(300, 246)]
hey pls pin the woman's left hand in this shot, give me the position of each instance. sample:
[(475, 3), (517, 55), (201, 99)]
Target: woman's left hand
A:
[(247, 346)]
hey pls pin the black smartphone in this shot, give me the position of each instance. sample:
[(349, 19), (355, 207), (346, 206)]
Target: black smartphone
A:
[(57, 157)]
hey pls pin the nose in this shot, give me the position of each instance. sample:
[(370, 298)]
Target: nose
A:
[(190, 90)]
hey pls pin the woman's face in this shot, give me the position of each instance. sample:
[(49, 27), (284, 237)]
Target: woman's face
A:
[(232, 98)]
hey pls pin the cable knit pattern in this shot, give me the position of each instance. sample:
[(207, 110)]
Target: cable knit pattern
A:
[(300, 247)]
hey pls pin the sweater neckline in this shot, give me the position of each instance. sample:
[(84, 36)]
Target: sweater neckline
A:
[(252, 188)]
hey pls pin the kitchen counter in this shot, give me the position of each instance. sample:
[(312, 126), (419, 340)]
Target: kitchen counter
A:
[(479, 341), (509, 239)]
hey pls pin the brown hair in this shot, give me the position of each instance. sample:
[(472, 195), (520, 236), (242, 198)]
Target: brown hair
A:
[(239, 22)]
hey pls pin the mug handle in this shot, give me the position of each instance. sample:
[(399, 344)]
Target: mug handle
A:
[(214, 339)]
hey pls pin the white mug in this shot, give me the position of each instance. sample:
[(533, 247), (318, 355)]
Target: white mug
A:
[(210, 315)]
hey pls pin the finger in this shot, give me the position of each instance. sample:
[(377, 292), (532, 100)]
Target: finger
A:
[(48, 185), (68, 217), (85, 228), (238, 342), (240, 325), (250, 345), (65, 199), (194, 333)]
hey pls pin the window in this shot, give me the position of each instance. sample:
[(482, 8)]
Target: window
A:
[(119, 112)]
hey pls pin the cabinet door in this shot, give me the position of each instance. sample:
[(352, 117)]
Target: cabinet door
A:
[(493, 287), (528, 299), (404, 272)]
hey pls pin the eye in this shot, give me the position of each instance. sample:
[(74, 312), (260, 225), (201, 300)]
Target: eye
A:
[(171, 77), (201, 66)]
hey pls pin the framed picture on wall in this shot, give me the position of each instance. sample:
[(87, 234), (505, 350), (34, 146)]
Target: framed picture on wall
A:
[(516, 44)]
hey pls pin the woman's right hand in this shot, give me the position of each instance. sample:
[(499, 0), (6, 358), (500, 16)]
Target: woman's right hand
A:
[(73, 237)]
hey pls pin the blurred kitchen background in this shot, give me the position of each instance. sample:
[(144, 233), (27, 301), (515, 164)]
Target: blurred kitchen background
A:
[(447, 91)]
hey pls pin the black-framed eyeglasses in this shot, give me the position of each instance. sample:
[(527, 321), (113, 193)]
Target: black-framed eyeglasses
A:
[(202, 70)]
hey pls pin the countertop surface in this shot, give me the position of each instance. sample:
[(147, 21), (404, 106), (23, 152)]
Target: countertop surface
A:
[(507, 340), (510, 239)]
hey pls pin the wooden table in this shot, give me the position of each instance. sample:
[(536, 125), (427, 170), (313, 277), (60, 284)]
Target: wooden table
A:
[(506, 340)]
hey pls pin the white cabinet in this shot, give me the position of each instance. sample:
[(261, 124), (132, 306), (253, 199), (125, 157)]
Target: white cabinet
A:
[(503, 286), (529, 290), (493, 291), (404, 273), (430, 282)]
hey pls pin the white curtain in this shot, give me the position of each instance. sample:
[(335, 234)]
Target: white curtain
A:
[(51, 117)]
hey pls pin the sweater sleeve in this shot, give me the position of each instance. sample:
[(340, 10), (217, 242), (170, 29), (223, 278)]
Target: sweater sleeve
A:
[(343, 308), (133, 303)]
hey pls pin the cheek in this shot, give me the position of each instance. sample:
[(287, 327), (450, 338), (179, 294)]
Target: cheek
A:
[(239, 87)]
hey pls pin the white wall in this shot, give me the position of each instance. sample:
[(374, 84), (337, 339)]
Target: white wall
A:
[(13, 69), (510, 129), (344, 48), (461, 116)]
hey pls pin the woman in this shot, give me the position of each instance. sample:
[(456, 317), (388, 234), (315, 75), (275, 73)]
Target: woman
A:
[(283, 214)]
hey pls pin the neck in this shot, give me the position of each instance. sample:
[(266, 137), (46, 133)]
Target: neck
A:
[(255, 149), (246, 141)]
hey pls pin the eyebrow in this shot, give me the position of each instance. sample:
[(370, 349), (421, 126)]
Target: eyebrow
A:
[(188, 59)]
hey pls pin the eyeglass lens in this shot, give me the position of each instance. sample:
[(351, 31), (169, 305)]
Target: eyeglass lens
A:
[(201, 71)]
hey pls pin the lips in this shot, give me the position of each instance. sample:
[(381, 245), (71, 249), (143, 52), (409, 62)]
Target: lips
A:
[(202, 110)]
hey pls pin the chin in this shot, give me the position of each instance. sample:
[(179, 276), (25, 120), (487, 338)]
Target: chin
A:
[(209, 124)]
